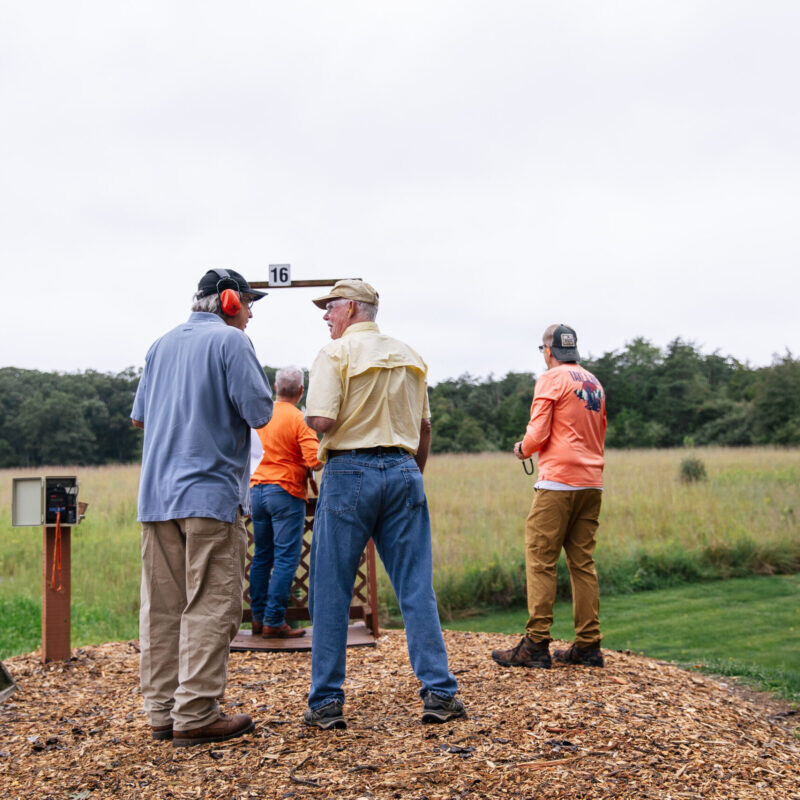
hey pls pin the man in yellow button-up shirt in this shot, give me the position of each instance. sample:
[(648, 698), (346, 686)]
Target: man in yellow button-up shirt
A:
[(368, 397)]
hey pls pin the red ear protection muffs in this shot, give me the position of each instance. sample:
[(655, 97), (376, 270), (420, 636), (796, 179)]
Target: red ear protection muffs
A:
[(228, 289), (229, 302)]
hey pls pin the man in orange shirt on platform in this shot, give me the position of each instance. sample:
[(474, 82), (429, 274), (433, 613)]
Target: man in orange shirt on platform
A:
[(278, 500), (567, 429)]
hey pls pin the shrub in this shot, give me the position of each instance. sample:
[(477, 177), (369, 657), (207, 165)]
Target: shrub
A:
[(692, 469)]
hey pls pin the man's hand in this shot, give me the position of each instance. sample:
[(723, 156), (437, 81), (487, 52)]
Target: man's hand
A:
[(518, 451), (320, 424), (424, 444)]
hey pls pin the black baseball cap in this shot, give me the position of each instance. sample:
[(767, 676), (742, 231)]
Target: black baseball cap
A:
[(565, 344), (217, 280)]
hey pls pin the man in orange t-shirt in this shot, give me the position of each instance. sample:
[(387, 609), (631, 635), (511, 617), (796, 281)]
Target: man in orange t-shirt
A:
[(278, 501), (567, 429)]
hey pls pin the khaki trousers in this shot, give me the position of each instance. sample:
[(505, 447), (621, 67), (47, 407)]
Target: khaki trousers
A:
[(569, 520), (191, 608)]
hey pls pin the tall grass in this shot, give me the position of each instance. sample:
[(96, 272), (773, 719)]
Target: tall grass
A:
[(655, 531)]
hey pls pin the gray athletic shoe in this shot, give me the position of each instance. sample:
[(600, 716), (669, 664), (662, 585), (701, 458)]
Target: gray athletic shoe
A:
[(441, 709), (329, 716)]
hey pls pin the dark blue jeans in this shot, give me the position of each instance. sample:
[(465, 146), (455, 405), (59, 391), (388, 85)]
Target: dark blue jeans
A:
[(381, 496), (278, 532)]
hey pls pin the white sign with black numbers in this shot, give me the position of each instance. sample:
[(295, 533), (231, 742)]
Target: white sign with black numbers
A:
[(280, 274)]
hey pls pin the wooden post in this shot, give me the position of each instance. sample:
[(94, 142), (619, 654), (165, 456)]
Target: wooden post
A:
[(56, 594), (372, 592)]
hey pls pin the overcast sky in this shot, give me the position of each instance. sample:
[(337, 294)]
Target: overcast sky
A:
[(629, 168)]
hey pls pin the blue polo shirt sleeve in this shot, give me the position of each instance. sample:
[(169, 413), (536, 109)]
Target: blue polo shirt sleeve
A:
[(248, 389), (139, 400), (137, 412)]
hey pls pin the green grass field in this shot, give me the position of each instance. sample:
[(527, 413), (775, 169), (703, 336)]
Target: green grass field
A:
[(747, 627), (655, 532)]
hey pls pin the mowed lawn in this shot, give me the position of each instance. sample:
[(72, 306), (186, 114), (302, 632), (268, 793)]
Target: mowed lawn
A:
[(748, 627)]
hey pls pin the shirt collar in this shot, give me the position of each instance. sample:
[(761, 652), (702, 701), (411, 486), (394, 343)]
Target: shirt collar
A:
[(205, 316), (358, 327)]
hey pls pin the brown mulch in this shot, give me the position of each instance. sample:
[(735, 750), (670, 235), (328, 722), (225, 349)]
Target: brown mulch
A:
[(636, 729)]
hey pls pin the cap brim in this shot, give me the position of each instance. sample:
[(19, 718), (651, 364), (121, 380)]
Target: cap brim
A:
[(321, 302), (254, 293), (566, 353)]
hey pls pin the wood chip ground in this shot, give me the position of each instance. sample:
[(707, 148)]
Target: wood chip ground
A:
[(636, 729)]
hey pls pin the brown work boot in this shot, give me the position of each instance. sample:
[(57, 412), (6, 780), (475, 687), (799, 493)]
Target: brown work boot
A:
[(588, 656), (284, 631), (526, 654), (257, 628), (161, 731), (218, 731)]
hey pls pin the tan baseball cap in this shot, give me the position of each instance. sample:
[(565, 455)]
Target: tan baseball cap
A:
[(350, 289)]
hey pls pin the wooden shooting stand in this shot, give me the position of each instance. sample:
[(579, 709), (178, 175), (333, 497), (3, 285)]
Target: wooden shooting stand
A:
[(363, 608), (364, 605)]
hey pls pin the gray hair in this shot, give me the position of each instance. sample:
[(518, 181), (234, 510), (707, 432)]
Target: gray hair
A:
[(210, 303), (213, 305), (367, 310), (289, 381), (547, 336)]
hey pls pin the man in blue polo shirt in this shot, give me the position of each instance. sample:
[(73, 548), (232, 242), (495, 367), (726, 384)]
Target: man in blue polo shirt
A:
[(201, 391)]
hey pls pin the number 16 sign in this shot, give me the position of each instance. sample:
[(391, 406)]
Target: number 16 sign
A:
[(280, 274)]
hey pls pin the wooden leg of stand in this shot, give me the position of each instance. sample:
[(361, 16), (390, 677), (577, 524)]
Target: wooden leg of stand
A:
[(372, 587), (56, 596)]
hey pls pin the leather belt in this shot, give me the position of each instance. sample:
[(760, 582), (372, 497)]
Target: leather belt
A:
[(386, 451)]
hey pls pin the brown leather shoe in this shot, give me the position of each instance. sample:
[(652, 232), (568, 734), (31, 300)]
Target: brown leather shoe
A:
[(218, 731), (161, 731), (257, 628), (589, 655), (526, 654), (282, 632)]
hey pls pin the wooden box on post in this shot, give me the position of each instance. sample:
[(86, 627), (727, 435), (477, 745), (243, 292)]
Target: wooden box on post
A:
[(51, 502)]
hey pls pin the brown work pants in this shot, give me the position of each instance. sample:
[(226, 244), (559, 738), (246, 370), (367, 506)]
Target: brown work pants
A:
[(191, 608), (569, 520)]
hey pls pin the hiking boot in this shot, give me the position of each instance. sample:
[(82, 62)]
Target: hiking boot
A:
[(284, 631), (329, 716), (257, 628), (161, 731), (526, 654), (218, 731), (589, 656), (441, 709)]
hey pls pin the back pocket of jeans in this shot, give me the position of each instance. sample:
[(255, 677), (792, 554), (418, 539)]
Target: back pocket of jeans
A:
[(340, 490), (415, 488)]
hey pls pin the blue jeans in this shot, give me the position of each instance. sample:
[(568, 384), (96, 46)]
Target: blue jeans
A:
[(278, 519), (381, 496)]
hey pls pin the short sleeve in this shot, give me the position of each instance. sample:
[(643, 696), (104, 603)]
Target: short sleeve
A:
[(426, 406), (248, 389), (325, 389), (137, 412)]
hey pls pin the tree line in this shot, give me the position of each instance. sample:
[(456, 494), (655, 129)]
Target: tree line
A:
[(655, 398)]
